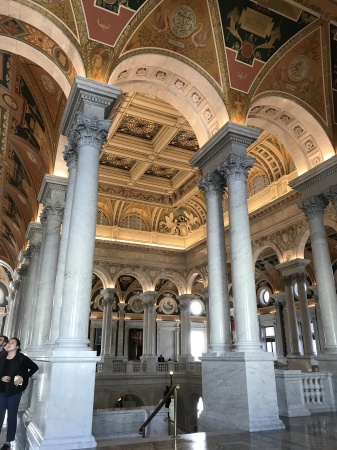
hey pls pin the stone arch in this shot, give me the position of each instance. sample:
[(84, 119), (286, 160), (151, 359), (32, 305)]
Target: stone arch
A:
[(177, 279), (8, 267), (142, 277), (104, 276), (299, 131), (191, 277), (179, 85), (132, 394), (302, 240), (267, 244)]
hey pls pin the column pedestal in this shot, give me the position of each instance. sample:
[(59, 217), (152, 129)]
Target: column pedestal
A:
[(241, 393)]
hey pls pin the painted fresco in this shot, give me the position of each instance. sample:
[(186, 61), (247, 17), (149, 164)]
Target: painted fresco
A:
[(24, 32), (3, 253), (5, 69), (333, 52), (11, 210), (254, 33), (299, 73), (107, 19), (18, 176), (62, 9), (183, 27)]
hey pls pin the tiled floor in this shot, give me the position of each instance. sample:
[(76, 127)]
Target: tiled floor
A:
[(318, 432)]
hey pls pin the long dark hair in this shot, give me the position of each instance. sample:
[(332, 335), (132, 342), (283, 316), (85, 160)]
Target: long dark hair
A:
[(18, 343)]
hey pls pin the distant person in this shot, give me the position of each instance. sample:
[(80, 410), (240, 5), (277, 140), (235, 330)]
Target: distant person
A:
[(161, 358), (15, 371)]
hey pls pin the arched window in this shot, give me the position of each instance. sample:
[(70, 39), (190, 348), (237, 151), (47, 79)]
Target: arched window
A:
[(102, 218), (134, 223), (257, 184)]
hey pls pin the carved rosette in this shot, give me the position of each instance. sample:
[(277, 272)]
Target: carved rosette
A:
[(212, 184), (70, 156), (236, 167), (314, 206), (89, 131), (52, 212)]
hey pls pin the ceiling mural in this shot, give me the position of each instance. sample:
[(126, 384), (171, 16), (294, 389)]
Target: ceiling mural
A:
[(254, 32), (62, 9), (183, 27)]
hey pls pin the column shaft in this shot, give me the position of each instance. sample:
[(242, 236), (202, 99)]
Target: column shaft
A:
[(292, 319), (305, 314)]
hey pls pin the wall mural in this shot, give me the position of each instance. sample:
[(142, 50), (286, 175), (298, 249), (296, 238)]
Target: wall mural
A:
[(253, 33), (62, 9), (185, 28), (179, 222)]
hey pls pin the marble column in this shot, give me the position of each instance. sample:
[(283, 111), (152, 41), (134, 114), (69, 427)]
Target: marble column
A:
[(52, 196), (279, 327), (149, 329), (70, 157), (185, 327), (108, 301), (206, 302), (236, 168), (10, 309), (18, 318), (300, 279), (120, 344), (212, 185), (85, 123), (34, 237), (294, 350), (244, 379), (314, 211)]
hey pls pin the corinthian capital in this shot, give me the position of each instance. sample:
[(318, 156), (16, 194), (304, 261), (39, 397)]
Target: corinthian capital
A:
[(52, 212), (236, 167), (212, 184), (314, 206), (70, 156), (89, 130)]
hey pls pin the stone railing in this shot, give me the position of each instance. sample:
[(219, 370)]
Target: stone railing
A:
[(302, 394), (136, 367)]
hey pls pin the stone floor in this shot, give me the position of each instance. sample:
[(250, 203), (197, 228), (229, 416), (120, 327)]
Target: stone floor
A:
[(318, 432)]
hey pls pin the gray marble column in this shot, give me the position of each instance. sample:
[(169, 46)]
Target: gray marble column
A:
[(52, 195), (279, 335), (70, 157), (109, 301), (294, 350), (206, 301), (18, 318), (243, 273), (185, 327), (88, 131), (120, 345), (300, 279), (212, 185), (149, 327), (314, 211), (10, 309)]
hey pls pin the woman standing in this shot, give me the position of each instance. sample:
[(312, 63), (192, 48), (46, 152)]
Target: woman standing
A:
[(15, 370)]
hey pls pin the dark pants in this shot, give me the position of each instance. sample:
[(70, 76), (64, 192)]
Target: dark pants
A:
[(10, 403)]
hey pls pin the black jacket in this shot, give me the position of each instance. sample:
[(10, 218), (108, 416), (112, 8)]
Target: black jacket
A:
[(21, 365)]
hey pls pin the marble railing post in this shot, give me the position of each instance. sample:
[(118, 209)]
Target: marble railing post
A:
[(70, 157), (148, 299), (236, 169), (294, 350), (185, 327), (212, 185), (52, 196), (300, 279), (314, 211), (120, 345), (109, 301)]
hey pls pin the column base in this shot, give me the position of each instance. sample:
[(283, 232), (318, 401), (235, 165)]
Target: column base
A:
[(64, 394), (303, 363), (239, 391)]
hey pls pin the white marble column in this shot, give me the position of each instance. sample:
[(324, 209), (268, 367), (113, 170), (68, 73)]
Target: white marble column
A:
[(185, 327), (85, 123), (19, 318), (149, 329), (109, 301), (212, 185), (34, 236), (10, 309), (314, 211), (243, 273), (206, 302), (70, 157), (120, 344), (294, 350), (52, 195)]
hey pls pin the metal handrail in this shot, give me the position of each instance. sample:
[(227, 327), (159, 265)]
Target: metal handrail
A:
[(173, 390)]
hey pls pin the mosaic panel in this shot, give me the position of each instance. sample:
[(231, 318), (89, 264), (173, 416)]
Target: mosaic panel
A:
[(186, 140), (134, 126), (162, 172), (118, 162)]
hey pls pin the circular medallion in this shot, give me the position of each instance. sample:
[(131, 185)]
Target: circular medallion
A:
[(136, 305), (298, 68), (10, 102), (61, 59), (182, 21)]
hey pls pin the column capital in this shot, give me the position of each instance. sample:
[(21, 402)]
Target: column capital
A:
[(185, 301), (300, 277), (212, 184), (148, 297), (70, 156), (108, 293), (122, 307), (88, 130), (236, 167), (52, 212), (314, 206), (288, 280)]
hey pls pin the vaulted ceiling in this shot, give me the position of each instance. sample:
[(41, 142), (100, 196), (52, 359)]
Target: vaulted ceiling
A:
[(252, 61)]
